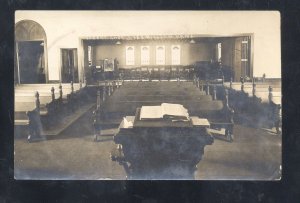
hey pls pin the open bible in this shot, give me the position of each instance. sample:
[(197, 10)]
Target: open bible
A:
[(175, 112)]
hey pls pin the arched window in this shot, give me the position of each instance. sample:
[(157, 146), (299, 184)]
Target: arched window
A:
[(160, 55), (129, 55), (175, 55), (145, 55)]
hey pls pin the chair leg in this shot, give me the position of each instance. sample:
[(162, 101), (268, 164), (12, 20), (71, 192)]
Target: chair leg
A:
[(229, 134)]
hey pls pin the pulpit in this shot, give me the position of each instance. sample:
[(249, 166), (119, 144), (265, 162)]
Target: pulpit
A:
[(160, 149)]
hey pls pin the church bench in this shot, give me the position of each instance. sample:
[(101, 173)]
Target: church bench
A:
[(49, 107), (56, 90), (67, 96), (260, 90), (175, 86), (259, 109), (266, 83), (217, 112), (31, 118), (263, 91), (159, 92), (159, 89), (162, 98), (21, 117), (51, 101), (47, 110), (43, 92), (22, 108), (43, 87), (264, 96), (47, 85), (27, 106), (156, 83), (249, 84), (43, 99), (39, 118), (129, 107)]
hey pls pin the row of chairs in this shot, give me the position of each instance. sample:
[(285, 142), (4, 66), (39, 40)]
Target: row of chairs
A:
[(157, 73)]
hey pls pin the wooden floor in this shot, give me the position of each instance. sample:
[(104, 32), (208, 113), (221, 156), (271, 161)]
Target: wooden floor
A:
[(255, 154)]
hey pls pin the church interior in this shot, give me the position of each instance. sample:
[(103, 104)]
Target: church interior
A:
[(83, 80)]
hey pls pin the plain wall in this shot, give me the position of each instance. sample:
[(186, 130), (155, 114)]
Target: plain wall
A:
[(65, 28)]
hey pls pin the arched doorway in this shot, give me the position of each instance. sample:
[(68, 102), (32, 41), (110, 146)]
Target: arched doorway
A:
[(30, 53)]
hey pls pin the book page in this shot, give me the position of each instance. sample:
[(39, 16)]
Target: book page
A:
[(200, 121), (176, 110), (127, 123), (151, 112)]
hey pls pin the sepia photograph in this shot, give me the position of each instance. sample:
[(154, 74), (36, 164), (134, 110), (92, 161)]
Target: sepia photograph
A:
[(147, 95)]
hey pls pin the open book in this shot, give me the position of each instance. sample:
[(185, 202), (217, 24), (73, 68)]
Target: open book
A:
[(176, 112)]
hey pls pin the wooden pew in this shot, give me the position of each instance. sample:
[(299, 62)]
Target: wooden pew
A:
[(44, 110), (112, 112), (31, 115), (261, 108), (142, 91), (161, 98), (156, 83), (51, 99), (47, 104)]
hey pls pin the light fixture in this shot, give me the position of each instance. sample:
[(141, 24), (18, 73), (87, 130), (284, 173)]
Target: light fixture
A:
[(118, 42), (42, 44), (192, 41)]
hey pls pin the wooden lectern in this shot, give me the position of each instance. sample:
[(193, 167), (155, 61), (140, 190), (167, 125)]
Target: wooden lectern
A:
[(160, 149)]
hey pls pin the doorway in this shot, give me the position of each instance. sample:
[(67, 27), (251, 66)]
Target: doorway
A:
[(31, 62), (69, 70)]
